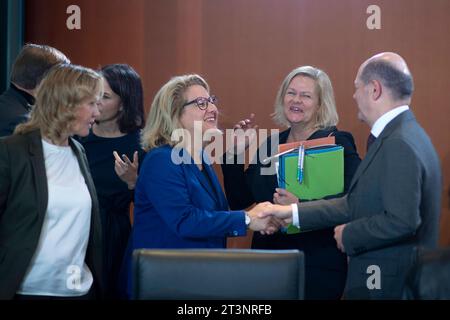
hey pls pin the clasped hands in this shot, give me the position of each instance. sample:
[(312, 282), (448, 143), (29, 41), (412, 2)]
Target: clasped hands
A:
[(269, 218)]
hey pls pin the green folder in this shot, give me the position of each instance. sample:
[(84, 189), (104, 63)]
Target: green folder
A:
[(323, 174)]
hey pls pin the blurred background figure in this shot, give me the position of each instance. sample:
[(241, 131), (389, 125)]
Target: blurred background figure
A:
[(50, 226), (113, 151), (30, 66)]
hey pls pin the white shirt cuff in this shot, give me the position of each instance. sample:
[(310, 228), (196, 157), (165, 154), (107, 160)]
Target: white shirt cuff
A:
[(295, 220)]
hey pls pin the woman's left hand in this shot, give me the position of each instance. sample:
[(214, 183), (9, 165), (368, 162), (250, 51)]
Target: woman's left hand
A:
[(284, 197), (125, 169), (244, 134)]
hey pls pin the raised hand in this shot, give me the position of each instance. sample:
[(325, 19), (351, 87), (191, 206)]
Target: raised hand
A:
[(284, 197), (244, 134), (125, 169)]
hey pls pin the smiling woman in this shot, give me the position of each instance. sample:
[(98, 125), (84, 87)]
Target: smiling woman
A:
[(305, 104), (199, 116), (301, 103), (48, 205)]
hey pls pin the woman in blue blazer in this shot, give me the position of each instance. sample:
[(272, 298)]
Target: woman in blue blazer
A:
[(178, 199)]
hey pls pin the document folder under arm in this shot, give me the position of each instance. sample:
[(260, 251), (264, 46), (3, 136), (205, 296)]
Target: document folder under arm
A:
[(323, 174)]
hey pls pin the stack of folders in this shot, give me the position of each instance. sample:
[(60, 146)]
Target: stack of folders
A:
[(312, 171)]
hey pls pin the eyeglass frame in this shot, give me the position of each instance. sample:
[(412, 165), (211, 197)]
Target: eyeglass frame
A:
[(212, 99)]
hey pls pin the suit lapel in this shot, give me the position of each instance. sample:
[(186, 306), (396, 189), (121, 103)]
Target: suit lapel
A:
[(366, 161), (217, 188), (38, 163), (374, 149), (95, 230), (82, 162), (213, 189)]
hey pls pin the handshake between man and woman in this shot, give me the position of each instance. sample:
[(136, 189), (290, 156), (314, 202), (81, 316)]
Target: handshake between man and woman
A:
[(268, 218)]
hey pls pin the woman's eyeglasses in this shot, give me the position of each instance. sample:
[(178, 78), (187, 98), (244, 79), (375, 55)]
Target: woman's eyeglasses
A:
[(202, 102)]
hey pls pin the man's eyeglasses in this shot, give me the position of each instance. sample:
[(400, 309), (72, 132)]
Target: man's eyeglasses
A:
[(202, 102)]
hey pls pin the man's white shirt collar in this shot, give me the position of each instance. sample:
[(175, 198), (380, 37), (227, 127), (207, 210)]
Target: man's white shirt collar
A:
[(383, 121)]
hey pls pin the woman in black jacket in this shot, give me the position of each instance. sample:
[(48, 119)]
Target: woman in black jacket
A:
[(116, 131), (50, 232), (305, 104)]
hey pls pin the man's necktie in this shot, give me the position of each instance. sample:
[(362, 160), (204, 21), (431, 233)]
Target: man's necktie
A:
[(371, 139)]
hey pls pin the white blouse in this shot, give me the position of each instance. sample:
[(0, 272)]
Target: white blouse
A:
[(57, 267)]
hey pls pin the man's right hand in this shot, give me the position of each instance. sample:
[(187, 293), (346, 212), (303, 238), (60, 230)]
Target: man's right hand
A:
[(283, 213), (266, 225)]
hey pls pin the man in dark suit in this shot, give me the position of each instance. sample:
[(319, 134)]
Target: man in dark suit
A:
[(28, 69), (393, 203)]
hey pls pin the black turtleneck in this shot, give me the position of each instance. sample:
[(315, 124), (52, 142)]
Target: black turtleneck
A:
[(15, 107)]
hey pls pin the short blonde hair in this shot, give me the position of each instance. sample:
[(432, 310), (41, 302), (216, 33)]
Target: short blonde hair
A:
[(166, 110), (326, 115), (60, 93)]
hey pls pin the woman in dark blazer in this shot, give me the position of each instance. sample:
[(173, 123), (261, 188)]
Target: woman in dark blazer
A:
[(305, 104), (50, 234)]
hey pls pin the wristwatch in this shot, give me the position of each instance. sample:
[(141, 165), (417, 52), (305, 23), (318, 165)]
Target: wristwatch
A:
[(247, 220)]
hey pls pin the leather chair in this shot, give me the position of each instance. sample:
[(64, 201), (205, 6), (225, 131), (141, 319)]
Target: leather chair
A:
[(214, 274)]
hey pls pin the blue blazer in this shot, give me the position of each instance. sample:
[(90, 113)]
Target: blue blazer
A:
[(178, 206)]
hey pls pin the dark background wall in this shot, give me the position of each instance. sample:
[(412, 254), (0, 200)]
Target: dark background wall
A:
[(11, 36), (244, 48)]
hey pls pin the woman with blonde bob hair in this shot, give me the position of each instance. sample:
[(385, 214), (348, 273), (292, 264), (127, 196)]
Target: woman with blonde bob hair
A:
[(182, 205), (326, 114), (49, 220), (305, 104)]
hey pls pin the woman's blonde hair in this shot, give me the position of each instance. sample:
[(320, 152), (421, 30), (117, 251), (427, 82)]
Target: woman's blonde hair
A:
[(64, 88), (326, 115), (166, 110)]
